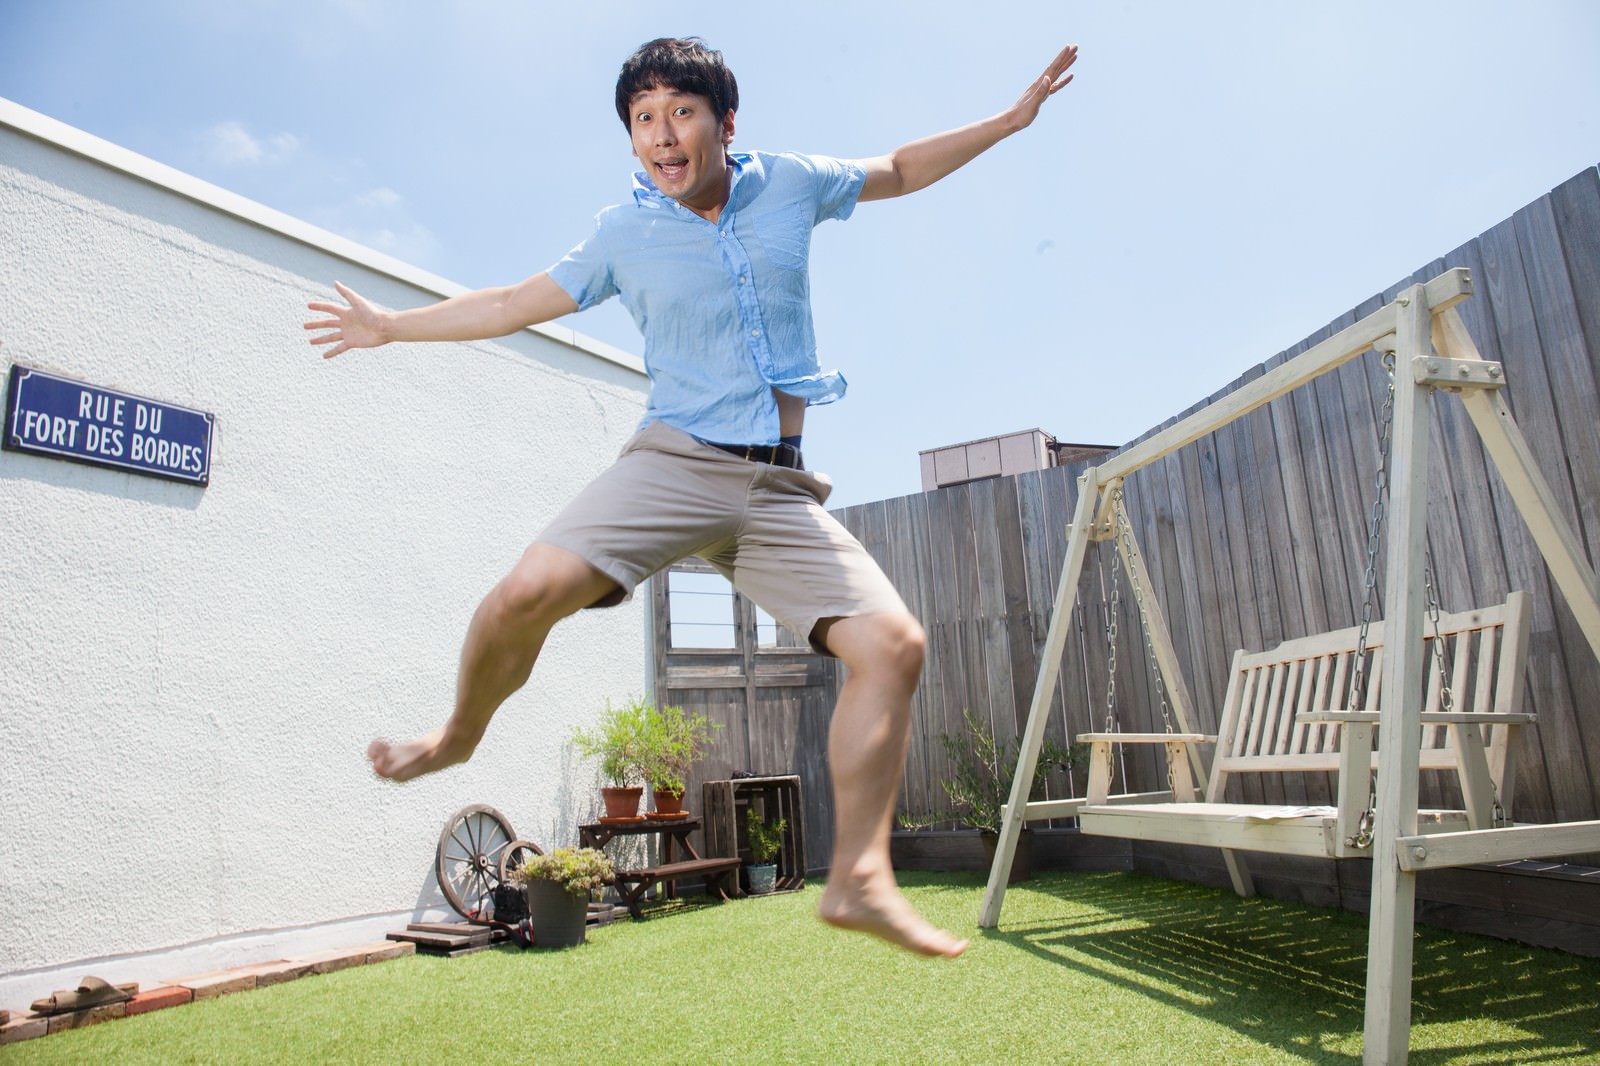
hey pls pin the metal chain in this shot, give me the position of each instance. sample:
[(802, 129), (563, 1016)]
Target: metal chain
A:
[(1125, 533), (1380, 492), (1365, 824), (1374, 536), (1111, 659), (1444, 658), (1442, 655), (1111, 643)]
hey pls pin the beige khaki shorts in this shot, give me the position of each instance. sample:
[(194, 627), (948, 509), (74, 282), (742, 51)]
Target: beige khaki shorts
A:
[(669, 496)]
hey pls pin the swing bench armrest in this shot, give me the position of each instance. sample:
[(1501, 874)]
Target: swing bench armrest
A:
[(1428, 717), (1145, 738), (1179, 754)]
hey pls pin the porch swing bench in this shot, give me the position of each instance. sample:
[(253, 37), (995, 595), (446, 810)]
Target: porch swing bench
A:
[(1280, 717), (1296, 709)]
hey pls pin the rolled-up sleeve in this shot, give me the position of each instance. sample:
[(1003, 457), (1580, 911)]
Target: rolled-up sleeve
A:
[(585, 272), (838, 185)]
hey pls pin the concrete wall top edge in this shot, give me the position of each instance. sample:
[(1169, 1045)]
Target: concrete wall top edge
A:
[(69, 138)]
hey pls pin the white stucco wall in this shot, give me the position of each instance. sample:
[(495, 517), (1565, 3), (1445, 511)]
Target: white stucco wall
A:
[(189, 677)]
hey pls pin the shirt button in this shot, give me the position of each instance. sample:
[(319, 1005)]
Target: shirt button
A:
[(755, 333), (724, 233), (741, 280)]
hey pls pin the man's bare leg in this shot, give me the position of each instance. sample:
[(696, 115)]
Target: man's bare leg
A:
[(867, 750), (503, 642)]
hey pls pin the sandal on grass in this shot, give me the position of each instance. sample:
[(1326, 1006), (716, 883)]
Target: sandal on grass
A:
[(91, 992)]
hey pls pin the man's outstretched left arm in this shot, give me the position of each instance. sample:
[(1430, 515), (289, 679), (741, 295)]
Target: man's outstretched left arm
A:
[(921, 163)]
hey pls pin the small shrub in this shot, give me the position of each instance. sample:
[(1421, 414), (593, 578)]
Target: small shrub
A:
[(671, 740), (578, 870), (982, 772), (616, 740), (765, 840)]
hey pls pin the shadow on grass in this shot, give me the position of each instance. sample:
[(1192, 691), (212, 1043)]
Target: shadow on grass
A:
[(1294, 976), (664, 907)]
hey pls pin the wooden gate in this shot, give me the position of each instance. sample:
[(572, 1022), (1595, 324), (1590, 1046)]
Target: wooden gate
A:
[(716, 653)]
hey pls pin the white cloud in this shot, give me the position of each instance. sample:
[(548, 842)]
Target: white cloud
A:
[(410, 242), (379, 218), (382, 197), (331, 191), (282, 146), (232, 143)]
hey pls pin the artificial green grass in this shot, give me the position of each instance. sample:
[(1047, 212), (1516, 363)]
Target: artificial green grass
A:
[(1092, 968)]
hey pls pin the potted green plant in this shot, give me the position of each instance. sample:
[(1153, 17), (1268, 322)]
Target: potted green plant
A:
[(671, 740), (615, 739), (765, 841), (979, 785), (558, 887)]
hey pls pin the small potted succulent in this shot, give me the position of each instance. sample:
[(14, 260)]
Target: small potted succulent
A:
[(615, 739), (671, 740), (558, 887), (765, 842)]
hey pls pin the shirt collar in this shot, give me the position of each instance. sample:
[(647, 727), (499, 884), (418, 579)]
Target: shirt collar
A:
[(645, 193)]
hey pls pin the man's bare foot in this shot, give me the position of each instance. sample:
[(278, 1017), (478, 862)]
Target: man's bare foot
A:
[(875, 906), (402, 762)]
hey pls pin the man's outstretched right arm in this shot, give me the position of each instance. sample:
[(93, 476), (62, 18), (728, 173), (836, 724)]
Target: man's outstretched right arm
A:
[(471, 316)]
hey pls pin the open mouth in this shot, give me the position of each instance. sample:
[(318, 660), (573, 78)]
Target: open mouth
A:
[(671, 171)]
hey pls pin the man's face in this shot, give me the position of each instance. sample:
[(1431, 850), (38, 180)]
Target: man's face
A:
[(677, 137)]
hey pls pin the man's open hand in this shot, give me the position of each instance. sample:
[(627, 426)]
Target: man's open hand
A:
[(1052, 81), (354, 326)]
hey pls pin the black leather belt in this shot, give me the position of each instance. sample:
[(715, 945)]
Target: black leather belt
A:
[(771, 454)]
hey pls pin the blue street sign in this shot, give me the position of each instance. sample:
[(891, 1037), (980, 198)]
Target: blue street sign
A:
[(51, 415)]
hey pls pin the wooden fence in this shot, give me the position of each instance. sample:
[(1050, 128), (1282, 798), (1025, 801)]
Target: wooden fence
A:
[(1258, 533)]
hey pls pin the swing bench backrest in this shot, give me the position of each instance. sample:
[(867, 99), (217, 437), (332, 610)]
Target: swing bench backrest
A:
[(1288, 709)]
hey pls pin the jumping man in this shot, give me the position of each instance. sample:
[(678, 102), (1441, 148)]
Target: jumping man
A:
[(710, 255)]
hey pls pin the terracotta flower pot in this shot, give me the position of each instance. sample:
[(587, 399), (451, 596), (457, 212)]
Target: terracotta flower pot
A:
[(559, 918), (622, 802), (668, 802)]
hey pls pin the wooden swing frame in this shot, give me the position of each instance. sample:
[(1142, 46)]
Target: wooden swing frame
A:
[(1434, 352)]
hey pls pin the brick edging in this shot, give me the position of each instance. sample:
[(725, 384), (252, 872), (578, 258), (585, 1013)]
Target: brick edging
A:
[(26, 1025)]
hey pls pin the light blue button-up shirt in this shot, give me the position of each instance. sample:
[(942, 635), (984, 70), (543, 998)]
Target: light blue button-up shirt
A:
[(725, 306)]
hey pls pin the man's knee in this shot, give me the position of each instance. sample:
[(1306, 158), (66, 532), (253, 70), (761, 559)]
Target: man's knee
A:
[(548, 584), (912, 645), (892, 641)]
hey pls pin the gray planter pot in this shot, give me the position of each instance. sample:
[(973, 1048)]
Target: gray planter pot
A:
[(559, 918), (763, 878)]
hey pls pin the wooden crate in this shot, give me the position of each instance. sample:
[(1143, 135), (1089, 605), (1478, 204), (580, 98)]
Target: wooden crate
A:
[(723, 806)]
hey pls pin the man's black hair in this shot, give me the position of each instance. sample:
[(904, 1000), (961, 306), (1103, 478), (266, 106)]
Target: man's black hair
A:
[(684, 64)]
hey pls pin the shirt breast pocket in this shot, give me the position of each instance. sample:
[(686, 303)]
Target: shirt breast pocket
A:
[(785, 238)]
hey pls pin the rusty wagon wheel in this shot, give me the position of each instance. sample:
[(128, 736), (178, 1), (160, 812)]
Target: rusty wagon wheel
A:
[(515, 854), (474, 840)]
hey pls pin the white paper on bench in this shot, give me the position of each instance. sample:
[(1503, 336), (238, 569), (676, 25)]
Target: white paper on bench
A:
[(1278, 814)]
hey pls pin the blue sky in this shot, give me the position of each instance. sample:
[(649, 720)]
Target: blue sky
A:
[(1220, 180)]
